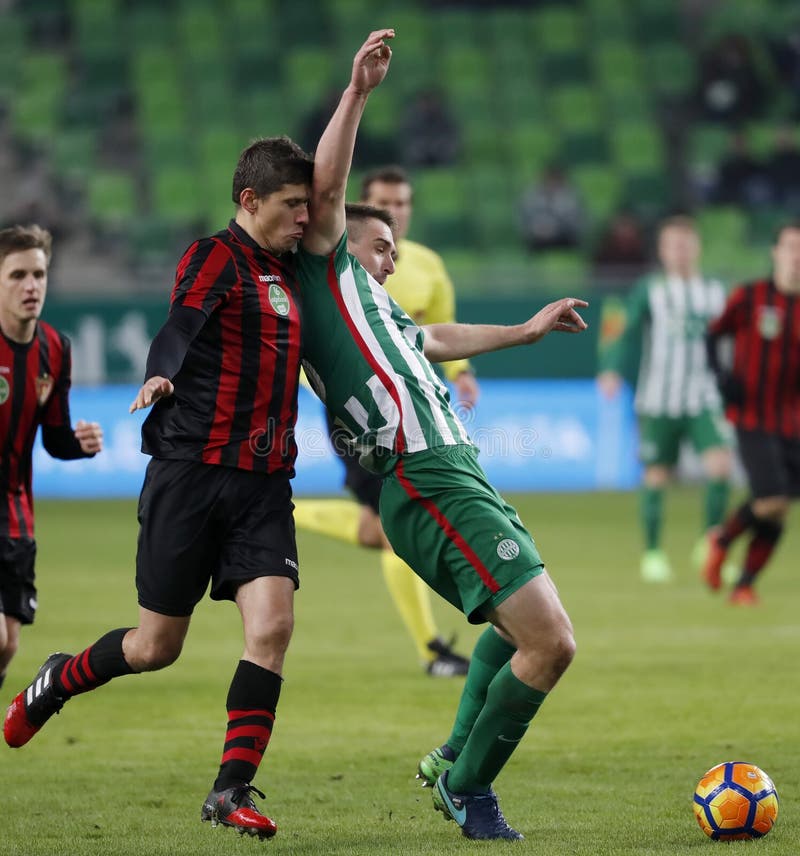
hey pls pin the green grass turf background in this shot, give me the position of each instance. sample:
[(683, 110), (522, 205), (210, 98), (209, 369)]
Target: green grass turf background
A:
[(668, 681)]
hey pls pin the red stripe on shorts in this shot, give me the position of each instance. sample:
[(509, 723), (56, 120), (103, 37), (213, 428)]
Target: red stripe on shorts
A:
[(449, 530)]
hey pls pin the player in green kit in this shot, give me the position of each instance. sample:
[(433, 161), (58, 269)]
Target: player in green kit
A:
[(369, 363), (676, 394)]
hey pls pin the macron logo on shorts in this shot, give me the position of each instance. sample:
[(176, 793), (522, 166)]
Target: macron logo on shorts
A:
[(292, 564)]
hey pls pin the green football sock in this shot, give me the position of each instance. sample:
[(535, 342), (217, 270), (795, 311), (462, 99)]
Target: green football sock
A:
[(652, 503), (491, 653), (717, 493), (501, 724)]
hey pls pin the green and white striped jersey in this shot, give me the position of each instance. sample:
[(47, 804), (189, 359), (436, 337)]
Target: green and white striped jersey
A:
[(363, 356), (667, 317)]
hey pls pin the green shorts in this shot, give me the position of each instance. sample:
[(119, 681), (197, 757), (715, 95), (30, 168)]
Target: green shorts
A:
[(445, 520), (660, 437)]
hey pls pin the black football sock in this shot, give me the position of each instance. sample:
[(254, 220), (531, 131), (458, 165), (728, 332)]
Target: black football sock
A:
[(252, 701), (741, 519), (765, 539), (95, 666)]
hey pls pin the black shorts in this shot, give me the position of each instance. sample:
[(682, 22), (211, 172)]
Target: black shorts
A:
[(364, 485), (202, 522), (17, 591), (772, 463)]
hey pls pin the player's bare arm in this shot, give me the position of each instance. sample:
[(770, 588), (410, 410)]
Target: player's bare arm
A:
[(459, 341), (90, 436), (335, 150)]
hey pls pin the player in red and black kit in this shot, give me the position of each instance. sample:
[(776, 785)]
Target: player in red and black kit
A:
[(34, 391), (215, 506), (762, 394)]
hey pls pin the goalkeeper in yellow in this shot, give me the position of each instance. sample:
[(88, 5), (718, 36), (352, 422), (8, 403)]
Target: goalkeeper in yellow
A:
[(420, 285)]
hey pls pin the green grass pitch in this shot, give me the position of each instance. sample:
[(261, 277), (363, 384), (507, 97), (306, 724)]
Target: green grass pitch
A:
[(668, 681)]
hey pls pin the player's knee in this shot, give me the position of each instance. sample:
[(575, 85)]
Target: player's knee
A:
[(9, 645), (273, 636), (563, 652), (154, 654)]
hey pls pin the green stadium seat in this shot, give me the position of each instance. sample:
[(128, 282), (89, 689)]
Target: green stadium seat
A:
[(621, 105), (658, 19), (177, 196), (483, 141), (650, 194), (439, 192), (672, 69), (309, 73), (581, 147), (147, 26), (559, 30), (576, 109), (609, 19), (273, 113), (761, 138), (96, 29), (201, 34), (111, 199), (12, 49), (560, 270), (724, 223), (73, 152), (532, 144), (617, 65), (35, 109), (637, 147), (707, 145), (464, 70), (34, 117), (600, 188)]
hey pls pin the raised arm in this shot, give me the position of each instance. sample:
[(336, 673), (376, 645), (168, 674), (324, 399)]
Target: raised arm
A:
[(460, 341), (335, 150)]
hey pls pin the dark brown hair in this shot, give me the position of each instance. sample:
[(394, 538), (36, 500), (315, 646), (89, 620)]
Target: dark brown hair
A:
[(387, 174), (268, 164), (358, 213)]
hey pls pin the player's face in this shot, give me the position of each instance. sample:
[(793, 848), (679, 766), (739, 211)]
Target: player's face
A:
[(281, 218), (786, 258), (394, 197), (679, 250), (23, 284), (374, 248)]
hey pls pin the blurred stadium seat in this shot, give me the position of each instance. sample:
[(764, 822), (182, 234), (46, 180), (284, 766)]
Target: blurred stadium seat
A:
[(603, 86)]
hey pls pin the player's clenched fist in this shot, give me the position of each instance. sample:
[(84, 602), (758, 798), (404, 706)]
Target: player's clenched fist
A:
[(90, 436)]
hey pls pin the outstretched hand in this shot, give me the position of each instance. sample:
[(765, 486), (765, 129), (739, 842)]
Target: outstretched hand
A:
[(153, 389), (559, 316), (372, 61)]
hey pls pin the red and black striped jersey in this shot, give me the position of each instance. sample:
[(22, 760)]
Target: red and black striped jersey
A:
[(235, 399), (765, 326), (34, 390)]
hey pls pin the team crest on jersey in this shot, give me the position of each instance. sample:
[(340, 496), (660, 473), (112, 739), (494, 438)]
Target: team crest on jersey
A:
[(508, 549), (279, 299), (770, 322), (5, 389), (44, 386)]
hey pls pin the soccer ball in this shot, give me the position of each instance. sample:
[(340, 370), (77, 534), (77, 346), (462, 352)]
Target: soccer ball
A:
[(735, 800)]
